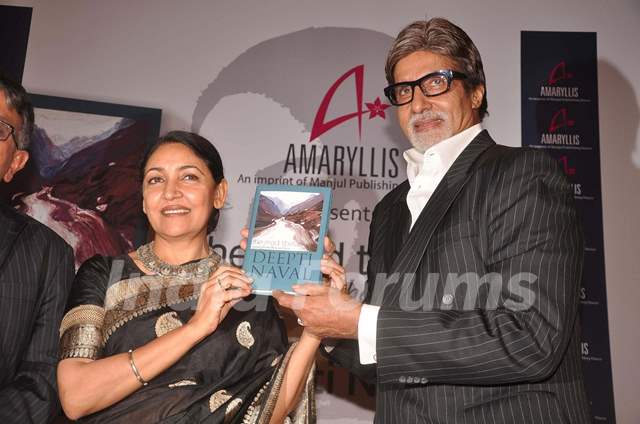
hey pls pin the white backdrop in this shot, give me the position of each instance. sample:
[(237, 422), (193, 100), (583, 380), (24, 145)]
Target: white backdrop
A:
[(164, 54)]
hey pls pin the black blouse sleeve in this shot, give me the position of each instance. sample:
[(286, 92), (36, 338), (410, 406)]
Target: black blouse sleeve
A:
[(81, 327)]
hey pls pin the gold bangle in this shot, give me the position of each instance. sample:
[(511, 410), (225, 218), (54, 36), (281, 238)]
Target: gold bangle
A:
[(135, 369)]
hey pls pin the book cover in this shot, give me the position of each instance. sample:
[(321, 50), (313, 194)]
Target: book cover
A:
[(286, 233)]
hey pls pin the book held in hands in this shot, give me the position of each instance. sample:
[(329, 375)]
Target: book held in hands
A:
[(286, 233)]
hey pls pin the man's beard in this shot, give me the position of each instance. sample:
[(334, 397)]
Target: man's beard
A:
[(425, 139)]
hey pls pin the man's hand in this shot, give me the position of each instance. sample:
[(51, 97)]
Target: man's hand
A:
[(324, 311)]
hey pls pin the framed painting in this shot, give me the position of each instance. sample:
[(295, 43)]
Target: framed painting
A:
[(82, 179)]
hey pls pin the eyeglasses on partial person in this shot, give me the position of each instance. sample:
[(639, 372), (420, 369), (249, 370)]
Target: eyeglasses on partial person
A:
[(7, 130)]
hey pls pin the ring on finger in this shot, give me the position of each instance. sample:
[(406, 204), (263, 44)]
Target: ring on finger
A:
[(220, 284)]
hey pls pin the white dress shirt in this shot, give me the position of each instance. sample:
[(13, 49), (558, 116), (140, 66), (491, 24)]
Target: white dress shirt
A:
[(424, 172)]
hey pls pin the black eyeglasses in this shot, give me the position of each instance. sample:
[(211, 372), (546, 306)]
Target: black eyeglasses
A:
[(431, 85), (6, 131)]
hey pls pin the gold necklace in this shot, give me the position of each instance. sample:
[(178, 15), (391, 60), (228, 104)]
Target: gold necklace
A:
[(200, 270)]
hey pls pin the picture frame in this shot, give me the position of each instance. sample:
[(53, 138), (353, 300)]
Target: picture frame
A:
[(82, 179)]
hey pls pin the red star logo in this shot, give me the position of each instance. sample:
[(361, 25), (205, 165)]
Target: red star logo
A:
[(377, 109)]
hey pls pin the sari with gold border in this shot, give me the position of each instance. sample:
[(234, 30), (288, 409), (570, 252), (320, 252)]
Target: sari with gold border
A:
[(232, 376)]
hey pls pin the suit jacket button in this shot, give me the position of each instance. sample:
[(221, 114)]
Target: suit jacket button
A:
[(402, 379), (447, 299)]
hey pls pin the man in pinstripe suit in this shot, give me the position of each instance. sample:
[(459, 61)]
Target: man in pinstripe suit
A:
[(36, 270), (475, 261)]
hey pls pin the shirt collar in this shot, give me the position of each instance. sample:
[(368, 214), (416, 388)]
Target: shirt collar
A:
[(446, 152)]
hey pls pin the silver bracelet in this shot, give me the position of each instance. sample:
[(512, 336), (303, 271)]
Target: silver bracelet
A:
[(135, 369)]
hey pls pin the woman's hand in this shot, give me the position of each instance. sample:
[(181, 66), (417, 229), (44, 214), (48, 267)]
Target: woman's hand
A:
[(334, 273), (226, 287)]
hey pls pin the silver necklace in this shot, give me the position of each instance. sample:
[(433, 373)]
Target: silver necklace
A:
[(195, 270)]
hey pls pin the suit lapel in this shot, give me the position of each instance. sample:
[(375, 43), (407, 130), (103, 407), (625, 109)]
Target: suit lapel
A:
[(409, 257), (9, 230)]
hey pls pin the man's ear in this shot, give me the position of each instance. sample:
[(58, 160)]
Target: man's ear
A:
[(476, 96), (20, 158), (220, 194)]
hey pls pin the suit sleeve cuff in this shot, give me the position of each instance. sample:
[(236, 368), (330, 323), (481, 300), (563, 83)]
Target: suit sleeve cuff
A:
[(367, 327)]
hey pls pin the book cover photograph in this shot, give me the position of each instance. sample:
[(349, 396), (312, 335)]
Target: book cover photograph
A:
[(286, 232)]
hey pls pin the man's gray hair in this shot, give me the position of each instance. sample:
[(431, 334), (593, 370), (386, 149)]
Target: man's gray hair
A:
[(440, 36)]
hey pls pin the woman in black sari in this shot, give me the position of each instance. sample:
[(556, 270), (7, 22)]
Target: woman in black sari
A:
[(153, 336)]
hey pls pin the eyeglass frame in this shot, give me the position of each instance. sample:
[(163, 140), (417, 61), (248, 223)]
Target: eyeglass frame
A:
[(449, 74), (12, 133)]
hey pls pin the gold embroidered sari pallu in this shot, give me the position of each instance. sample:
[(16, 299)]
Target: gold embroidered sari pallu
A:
[(232, 376)]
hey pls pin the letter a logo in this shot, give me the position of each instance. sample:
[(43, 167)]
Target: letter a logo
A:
[(560, 120), (319, 124), (559, 73)]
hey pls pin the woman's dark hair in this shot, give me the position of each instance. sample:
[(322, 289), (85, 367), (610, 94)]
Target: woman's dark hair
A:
[(203, 149)]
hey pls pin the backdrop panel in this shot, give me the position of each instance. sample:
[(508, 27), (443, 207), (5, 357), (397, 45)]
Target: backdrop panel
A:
[(560, 115)]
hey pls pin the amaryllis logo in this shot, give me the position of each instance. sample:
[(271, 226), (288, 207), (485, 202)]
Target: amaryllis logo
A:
[(566, 166), (559, 73), (557, 83), (375, 108), (559, 131), (561, 120)]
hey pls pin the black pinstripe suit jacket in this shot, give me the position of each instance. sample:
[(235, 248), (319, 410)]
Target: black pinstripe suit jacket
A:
[(36, 271), (479, 301)]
